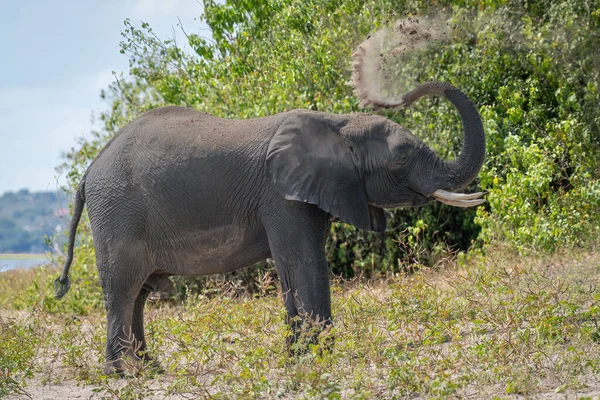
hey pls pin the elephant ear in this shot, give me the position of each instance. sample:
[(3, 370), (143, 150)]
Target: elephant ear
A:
[(308, 160)]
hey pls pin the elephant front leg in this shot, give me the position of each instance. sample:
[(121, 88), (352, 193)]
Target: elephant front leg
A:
[(306, 295), (297, 245)]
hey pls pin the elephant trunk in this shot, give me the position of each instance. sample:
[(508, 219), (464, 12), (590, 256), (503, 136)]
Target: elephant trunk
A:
[(460, 172), (465, 168), (366, 72)]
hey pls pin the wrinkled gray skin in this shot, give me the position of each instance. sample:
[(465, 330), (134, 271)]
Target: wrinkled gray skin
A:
[(179, 192)]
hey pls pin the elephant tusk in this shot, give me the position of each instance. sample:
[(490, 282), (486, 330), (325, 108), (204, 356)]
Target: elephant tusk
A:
[(441, 194), (462, 203)]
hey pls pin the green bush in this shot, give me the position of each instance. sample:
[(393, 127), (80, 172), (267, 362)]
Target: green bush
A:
[(531, 67), (17, 352)]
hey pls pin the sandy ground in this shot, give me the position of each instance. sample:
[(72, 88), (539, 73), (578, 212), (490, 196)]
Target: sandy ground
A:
[(71, 390), (38, 388), (66, 390)]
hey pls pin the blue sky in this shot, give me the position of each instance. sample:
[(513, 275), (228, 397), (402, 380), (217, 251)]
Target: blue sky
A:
[(56, 56)]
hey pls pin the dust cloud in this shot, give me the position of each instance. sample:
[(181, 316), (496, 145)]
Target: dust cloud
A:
[(377, 62)]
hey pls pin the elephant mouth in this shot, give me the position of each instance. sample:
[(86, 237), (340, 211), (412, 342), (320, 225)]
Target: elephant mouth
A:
[(459, 199), (412, 198)]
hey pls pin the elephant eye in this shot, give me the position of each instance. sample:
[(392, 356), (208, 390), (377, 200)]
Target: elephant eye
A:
[(402, 157)]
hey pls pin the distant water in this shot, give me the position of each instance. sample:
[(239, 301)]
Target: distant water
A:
[(8, 264)]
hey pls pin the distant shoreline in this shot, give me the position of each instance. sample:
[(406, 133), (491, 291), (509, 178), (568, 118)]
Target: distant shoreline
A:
[(21, 256), (11, 261)]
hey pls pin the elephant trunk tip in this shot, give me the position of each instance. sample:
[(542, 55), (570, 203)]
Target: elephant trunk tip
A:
[(61, 287)]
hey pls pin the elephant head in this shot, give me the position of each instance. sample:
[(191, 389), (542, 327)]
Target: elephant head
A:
[(354, 165)]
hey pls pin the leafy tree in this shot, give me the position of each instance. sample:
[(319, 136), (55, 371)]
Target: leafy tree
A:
[(530, 66)]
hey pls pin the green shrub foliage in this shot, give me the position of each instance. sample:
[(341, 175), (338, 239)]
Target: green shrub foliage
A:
[(532, 68)]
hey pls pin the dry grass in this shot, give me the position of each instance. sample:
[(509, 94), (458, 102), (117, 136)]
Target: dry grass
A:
[(504, 326)]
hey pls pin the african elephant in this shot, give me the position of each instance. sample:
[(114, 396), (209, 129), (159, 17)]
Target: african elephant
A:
[(180, 192)]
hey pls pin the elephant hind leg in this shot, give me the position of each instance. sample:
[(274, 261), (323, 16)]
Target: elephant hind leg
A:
[(120, 338), (155, 283), (122, 284), (137, 324)]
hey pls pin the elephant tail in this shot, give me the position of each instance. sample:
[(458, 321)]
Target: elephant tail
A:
[(62, 283)]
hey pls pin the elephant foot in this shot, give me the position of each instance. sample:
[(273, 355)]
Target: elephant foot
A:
[(152, 365), (114, 368), (132, 366), (310, 334)]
